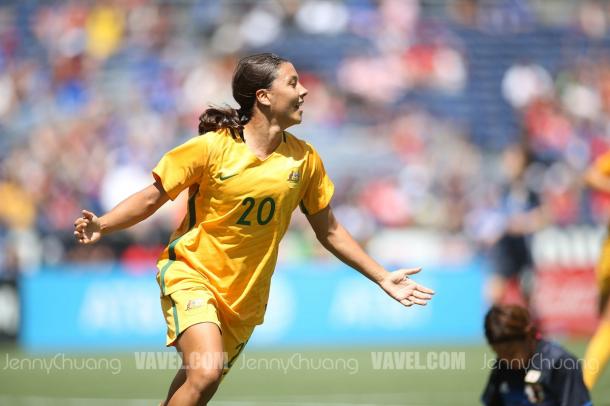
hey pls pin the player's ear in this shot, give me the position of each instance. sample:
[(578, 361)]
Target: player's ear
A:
[(263, 97)]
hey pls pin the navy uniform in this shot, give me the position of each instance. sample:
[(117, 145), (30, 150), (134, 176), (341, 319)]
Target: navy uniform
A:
[(553, 377)]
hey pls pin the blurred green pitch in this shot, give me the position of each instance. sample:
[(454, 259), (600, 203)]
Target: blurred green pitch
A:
[(266, 386)]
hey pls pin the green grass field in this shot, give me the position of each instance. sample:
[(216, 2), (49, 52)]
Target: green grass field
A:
[(299, 377)]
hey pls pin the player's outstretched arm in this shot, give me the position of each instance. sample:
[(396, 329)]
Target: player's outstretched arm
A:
[(335, 238), (89, 228)]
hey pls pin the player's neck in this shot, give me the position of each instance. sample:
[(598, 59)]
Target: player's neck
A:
[(262, 136)]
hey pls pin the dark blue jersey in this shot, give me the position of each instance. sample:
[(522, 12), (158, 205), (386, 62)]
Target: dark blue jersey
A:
[(552, 377)]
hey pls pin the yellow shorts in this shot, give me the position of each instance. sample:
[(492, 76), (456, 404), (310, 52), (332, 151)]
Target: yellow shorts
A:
[(603, 274), (184, 308)]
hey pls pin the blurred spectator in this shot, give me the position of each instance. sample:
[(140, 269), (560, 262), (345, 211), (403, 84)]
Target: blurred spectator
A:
[(523, 83), (518, 214)]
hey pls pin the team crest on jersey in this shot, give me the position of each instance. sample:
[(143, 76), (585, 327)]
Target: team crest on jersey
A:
[(194, 303), (294, 176)]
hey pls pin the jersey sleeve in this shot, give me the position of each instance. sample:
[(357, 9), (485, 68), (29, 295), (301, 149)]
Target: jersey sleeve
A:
[(319, 189), (568, 385), (491, 394), (183, 166), (602, 164)]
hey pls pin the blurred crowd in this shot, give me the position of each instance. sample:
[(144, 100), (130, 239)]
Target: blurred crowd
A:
[(410, 104)]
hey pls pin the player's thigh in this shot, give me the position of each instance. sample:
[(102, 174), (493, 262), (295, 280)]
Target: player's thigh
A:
[(202, 356), (201, 347)]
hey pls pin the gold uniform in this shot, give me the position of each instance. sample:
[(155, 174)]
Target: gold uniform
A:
[(602, 164), (218, 266), (597, 354)]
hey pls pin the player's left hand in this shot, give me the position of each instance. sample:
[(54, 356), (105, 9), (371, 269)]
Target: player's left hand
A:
[(405, 290)]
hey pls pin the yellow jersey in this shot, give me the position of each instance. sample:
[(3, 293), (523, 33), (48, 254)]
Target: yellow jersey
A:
[(239, 208)]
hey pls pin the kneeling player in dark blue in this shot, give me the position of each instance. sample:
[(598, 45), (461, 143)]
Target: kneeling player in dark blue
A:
[(529, 370)]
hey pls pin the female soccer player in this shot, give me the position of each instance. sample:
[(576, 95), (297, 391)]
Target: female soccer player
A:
[(529, 370), (598, 351), (245, 176)]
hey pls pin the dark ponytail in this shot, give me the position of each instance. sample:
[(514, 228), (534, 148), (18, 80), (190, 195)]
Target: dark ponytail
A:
[(216, 118), (251, 74), (504, 323)]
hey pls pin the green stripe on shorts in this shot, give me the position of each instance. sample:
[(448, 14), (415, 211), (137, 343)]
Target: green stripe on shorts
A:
[(172, 258), (176, 324)]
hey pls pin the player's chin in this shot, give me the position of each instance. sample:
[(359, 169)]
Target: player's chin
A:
[(293, 119), (298, 117)]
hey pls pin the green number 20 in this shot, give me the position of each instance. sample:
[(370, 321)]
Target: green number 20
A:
[(249, 202)]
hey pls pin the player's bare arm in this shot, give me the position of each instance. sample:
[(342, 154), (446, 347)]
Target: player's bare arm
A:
[(336, 239), (89, 228)]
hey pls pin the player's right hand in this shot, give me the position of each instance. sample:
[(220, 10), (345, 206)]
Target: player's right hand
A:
[(87, 228)]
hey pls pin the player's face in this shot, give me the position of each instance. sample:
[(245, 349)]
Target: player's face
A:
[(286, 96)]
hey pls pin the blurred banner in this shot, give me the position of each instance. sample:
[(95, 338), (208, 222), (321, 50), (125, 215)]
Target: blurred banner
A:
[(314, 304), (565, 295), (90, 307), (332, 304), (566, 301), (9, 311)]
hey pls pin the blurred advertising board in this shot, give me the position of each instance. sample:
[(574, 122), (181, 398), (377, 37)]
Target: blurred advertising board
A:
[(566, 301), (565, 294), (312, 304), (10, 311), (332, 304)]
